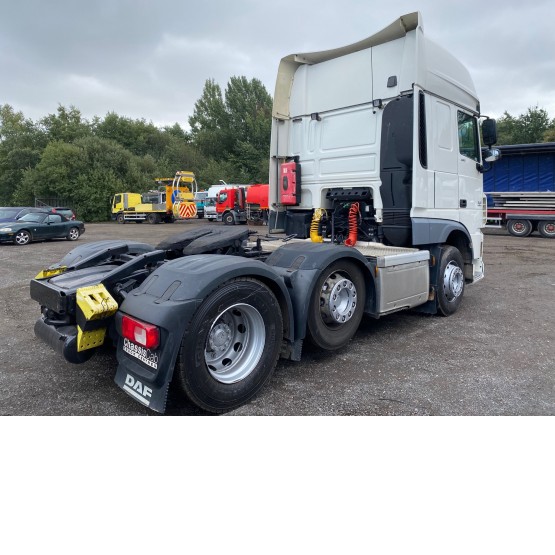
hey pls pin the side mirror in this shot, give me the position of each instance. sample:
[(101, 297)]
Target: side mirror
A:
[(488, 155), (489, 131), (491, 154)]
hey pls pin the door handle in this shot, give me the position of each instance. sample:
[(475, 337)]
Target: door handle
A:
[(462, 203)]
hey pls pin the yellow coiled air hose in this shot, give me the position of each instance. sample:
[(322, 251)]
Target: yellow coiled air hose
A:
[(315, 236)]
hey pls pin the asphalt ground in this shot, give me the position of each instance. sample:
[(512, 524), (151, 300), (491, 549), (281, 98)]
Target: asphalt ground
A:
[(495, 356)]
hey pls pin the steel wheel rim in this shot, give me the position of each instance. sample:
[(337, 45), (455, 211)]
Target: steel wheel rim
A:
[(338, 299), (453, 282), (549, 229), (22, 238), (235, 343)]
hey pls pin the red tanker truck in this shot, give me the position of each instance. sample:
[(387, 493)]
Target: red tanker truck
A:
[(242, 205)]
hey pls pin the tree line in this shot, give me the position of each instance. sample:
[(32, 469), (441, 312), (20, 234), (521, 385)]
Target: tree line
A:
[(85, 162)]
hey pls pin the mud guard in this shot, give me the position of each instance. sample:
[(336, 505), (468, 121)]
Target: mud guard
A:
[(169, 298), (300, 265)]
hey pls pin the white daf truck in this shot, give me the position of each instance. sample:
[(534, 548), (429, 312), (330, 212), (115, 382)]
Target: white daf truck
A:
[(376, 180)]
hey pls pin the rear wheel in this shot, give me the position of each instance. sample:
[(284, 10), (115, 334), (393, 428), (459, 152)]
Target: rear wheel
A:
[(336, 305), (73, 234), (153, 219), (519, 228), (451, 281), (547, 229), (231, 347), (22, 237)]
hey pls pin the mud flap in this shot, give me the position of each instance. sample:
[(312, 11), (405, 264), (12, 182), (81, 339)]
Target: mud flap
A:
[(149, 394)]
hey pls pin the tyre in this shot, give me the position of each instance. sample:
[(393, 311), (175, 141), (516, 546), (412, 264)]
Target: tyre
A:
[(228, 219), (450, 288), (547, 229), (120, 218), (73, 234), (519, 228), (22, 237), (153, 219), (336, 305), (231, 347)]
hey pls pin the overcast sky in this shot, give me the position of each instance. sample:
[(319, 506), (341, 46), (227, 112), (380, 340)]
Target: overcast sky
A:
[(150, 58)]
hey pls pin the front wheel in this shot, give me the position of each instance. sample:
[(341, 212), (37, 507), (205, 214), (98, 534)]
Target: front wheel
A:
[(451, 281), (228, 219), (336, 305), (231, 347), (519, 228), (547, 229), (120, 218), (73, 234), (22, 237)]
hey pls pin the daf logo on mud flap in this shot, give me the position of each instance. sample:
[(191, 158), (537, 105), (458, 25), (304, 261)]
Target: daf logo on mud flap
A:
[(137, 389)]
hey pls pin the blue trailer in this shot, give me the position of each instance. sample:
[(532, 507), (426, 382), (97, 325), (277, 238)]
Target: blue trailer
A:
[(520, 189)]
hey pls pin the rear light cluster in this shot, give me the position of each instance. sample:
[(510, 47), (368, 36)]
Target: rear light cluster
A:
[(146, 335)]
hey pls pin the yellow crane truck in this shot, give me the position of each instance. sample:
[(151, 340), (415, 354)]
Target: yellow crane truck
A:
[(158, 205)]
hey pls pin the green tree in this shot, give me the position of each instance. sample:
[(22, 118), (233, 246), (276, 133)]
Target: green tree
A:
[(66, 125), (86, 173), (138, 136), (21, 143), (235, 128), (210, 125), (531, 127)]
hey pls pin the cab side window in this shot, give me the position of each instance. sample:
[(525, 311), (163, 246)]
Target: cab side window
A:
[(468, 136)]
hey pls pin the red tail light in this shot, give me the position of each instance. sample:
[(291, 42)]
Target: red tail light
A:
[(146, 335)]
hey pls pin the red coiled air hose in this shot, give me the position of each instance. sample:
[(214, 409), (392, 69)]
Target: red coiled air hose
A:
[(351, 241)]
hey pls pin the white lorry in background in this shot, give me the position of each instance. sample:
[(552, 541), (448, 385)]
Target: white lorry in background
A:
[(375, 168)]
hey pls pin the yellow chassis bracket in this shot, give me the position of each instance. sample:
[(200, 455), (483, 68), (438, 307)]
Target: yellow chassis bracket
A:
[(51, 272), (89, 339), (94, 303)]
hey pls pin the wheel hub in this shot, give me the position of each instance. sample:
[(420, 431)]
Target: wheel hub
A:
[(219, 337), (453, 282), (235, 343), (338, 299)]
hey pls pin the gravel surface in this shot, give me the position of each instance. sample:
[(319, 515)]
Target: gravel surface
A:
[(495, 356)]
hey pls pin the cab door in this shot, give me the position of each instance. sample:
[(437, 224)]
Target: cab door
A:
[(54, 227), (470, 179)]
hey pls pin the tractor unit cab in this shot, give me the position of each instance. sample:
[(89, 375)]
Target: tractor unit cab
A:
[(379, 141), (230, 199)]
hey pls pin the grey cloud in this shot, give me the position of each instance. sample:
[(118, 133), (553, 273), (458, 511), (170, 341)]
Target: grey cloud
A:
[(150, 59)]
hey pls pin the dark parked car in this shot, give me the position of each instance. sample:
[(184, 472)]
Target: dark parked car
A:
[(12, 213), (39, 226), (67, 212)]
